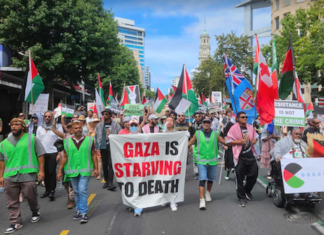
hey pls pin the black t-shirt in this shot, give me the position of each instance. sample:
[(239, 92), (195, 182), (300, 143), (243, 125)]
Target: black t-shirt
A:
[(152, 129), (309, 130), (182, 126), (246, 154), (108, 130)]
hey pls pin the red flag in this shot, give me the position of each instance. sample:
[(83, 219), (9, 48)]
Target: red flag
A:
[(174, 88), (124, 98), (199, 99), (274, 78), (111, 95), (143, 99), (94, 108)]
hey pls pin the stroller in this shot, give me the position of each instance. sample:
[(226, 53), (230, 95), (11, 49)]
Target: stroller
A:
[(276, 190)]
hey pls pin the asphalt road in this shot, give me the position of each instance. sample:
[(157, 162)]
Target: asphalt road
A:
[(108, 216)]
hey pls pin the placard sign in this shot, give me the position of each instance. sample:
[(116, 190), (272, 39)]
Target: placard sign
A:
[(289, 113), (133, 109), (41, 104), (217, 97)]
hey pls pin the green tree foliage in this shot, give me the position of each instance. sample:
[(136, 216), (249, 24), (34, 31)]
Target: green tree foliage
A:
[(238, 49), (150, 94), (208, 77), (68, 39), (307, 30)]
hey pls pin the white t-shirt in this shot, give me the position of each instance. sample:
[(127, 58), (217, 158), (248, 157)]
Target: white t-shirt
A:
[(48, 138), (88, 119)]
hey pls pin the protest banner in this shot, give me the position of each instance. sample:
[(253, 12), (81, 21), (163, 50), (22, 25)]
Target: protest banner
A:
[(289, 113), (41, 104), (217, 97), (303, 175), (150, 168), (133, 109)]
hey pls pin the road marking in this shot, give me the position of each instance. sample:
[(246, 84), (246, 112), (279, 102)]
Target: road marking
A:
[(111, 224), (93, 206), (64, 232), (90, 198)]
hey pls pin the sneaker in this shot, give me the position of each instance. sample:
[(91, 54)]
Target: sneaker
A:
[(84, 219), (242, 202), (269, 177), (208, 197), (232, 170), (163, 204), (71, 204), (35, 217), (202, 204), (13, 228), (105, 185), (174, 207), (219, 157), (77, 215), (138, 212), (249, 196), (227, 175), (111, 187), (313, 196), (196, 176)]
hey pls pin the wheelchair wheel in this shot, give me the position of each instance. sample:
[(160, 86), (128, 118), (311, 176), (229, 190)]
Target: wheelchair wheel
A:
[(278, 198), (268, 191)]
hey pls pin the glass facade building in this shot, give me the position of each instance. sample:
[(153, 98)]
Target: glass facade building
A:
[(132, 37)]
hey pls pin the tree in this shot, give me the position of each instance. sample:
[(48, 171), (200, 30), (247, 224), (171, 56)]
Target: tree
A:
[(150, 94), (208, 77), (69, 39), (238, 49)]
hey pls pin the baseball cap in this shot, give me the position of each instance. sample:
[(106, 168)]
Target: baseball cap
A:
[(152, 116), (107, 110), (206, 119), (164, 117), (133, 121), (127, 119)]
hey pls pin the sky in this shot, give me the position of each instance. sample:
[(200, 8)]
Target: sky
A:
[(173, 28)]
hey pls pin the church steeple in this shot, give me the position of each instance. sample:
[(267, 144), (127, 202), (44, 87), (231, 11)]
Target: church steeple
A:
[(204, 48)]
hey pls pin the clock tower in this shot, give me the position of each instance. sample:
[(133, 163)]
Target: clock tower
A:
[(204, 48)]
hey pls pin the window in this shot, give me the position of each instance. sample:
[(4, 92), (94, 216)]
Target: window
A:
[(141, 56), (287, 2), (127, 31), (277, 4), (286, 14), (277, 23), (300, 1)]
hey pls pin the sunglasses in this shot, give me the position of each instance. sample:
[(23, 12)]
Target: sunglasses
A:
[(206, 122), (133, 125), (35, 118), (47, 116), (181, 115), (197, 116), (106, 114), (244, 117), (317, 123)]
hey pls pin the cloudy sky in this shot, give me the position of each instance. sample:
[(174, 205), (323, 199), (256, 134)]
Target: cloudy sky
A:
[(173, 28)]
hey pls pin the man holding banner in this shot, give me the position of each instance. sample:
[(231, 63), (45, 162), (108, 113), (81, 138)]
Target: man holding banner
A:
[(205, 155)]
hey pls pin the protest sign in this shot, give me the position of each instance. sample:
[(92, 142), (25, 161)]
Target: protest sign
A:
[(41, 104), (289, 113), (150, 168), (303, 175), (133, 109)]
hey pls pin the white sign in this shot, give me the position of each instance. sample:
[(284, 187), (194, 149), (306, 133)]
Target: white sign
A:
[(217, 97), (303, 175), (41, 104), (289, 113), (150, 168)]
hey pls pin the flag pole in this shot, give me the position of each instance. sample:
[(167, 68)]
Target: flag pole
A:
[(184, 75), (31, 89), (233, 92)]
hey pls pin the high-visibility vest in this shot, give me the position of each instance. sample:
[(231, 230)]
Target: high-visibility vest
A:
[(206, 152), (78, 161), (20, 159)]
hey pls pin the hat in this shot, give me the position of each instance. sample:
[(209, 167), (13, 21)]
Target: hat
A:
[(133, 121), (35, 116), (152, 116), (82, 118), (127, 119), (182, 113), (107, 110), (212, 111), (198, 112), (21, 114), (95, 120), (206, 119), (164, 117)]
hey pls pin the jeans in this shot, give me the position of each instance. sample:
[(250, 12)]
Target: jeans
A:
[(80, 188)]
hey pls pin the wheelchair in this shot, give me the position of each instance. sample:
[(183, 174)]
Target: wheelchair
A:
[(275, 189)]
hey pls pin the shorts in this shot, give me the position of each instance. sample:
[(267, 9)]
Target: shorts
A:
[(207, 172)]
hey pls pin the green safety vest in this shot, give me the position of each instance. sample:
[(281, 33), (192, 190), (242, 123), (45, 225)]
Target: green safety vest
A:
[(78, 161), (20, 159), (206, 152)]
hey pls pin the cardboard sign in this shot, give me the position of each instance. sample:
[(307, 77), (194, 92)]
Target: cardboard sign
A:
[(289, 113), (41, 104), (133, 109)]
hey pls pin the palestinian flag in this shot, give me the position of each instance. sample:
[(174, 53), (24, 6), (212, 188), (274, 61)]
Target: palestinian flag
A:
[(256, 57), (204, 101), (287, 76), (34, 84), (274, 74), (199, 99), (133, 93), (101, 92), (64, 109), (184, 99), (315, 145), (124, 99), (310, 109), (143, 99), (160, 101), (174, 88), (111, 95), (94, 108)]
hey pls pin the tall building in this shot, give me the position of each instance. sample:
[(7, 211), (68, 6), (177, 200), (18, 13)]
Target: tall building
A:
[(152, 89), (132, 37), (204, 48), (147, 77), (281, 8), (176, 81), (139, 66)]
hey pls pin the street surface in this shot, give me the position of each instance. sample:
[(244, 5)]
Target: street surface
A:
[(108, 216)]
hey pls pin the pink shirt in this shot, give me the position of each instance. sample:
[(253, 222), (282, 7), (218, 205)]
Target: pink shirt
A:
[(124, 132)]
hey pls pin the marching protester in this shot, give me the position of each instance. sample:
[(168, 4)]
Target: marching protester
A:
[(83, 121), (21, 164), (313, 129), (90, 116), (52, 156), (205, 152), (169, 126), (173, 115), (242, 137), (36, 121), (196, 125), (227, 118), (229, 163), (163, 121), (167, 112), (102, 131), (152, 126), (269, 136), (22, 117), (215, 122), (78, 161), (181, 124), (92, 125), (257, 127)]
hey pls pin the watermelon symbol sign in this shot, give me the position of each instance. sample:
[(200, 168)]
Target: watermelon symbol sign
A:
[(290, 177)]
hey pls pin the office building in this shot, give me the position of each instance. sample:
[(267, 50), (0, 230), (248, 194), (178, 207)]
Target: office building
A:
[(132, 37), (139, 66), (147, 77), (176, 81)]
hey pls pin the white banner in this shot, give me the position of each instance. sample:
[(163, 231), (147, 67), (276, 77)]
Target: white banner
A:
[(217, 97), (150, 168), (303, 175), (289, 113), (41, 104)]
